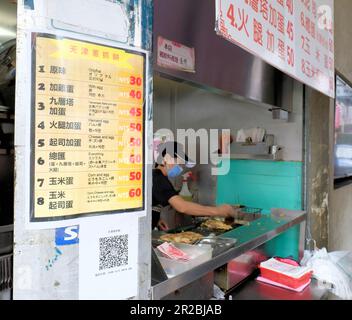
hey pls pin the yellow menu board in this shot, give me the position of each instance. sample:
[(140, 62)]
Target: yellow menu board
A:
[(87, 129)]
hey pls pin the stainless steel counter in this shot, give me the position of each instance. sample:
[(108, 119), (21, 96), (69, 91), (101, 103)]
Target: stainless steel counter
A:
[(248, 238)]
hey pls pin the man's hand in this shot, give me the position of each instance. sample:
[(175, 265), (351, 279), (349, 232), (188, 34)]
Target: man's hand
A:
[(162, 225), (226, 211)]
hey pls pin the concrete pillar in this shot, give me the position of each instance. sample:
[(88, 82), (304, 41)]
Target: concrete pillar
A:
[(317, 122), (42, 270)]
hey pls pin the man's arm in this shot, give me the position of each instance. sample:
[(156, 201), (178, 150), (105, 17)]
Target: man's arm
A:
[(195, 209)]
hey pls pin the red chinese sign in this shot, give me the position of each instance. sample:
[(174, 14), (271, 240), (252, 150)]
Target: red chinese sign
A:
[(295, 36)]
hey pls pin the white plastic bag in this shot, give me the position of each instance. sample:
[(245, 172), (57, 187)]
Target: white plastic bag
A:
[(327, 269), (218, 294), (256, 134), (344, 261)]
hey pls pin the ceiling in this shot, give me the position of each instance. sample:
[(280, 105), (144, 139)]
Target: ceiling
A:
[(8, 20)]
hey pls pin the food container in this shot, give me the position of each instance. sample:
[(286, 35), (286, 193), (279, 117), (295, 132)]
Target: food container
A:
[(198, 254), (285, 274), (218, 244)]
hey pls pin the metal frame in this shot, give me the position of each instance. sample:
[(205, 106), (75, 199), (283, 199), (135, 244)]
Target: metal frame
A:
[(338, 182)]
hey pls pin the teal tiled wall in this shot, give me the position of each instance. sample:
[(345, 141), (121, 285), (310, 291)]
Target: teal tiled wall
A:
[(265, 185)]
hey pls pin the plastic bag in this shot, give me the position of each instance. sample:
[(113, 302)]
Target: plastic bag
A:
[(327, 267), (344, 261), (218, 294), (256, 135)]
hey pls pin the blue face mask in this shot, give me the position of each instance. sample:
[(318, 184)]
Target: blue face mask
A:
[(175, 171)]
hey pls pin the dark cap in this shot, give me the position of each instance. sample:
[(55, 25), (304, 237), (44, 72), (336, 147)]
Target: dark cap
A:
[(175, 150)]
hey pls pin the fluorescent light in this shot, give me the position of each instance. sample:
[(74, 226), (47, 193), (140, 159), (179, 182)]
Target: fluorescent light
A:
[(7, 33)]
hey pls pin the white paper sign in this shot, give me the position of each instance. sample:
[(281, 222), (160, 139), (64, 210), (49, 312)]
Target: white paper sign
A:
[(96, 17), (176, 56), (295, 36), (108, 252)]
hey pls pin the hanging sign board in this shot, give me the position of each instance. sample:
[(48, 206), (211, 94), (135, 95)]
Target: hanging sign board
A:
[(87, 128), (296, 37), (173, 55)]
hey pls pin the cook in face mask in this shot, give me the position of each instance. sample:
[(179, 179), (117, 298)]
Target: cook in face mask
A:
[(170, 163)]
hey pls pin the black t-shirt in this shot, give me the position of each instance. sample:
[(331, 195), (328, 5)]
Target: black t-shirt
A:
[(162, 192)]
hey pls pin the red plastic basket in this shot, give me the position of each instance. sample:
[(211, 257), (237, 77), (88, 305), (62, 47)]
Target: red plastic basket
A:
[(293, 283)]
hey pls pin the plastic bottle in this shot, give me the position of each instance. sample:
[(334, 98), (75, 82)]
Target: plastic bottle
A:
[(185, 193)]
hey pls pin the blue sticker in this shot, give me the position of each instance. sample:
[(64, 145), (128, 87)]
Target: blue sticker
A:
[(29, 4), (67, 236)]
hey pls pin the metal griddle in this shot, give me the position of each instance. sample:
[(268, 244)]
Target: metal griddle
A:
[(212, 237), (244, 216)]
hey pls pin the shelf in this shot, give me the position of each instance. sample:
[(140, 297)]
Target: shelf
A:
[(9, 117), (6, 152), (267, 157), (6, 113)]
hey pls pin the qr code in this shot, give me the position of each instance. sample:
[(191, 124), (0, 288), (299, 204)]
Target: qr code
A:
[(113, 252)]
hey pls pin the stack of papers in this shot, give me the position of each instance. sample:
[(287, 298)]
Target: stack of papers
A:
[(173, 253)]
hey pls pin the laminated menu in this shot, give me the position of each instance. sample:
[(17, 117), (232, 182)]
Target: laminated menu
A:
[(87, 128)]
